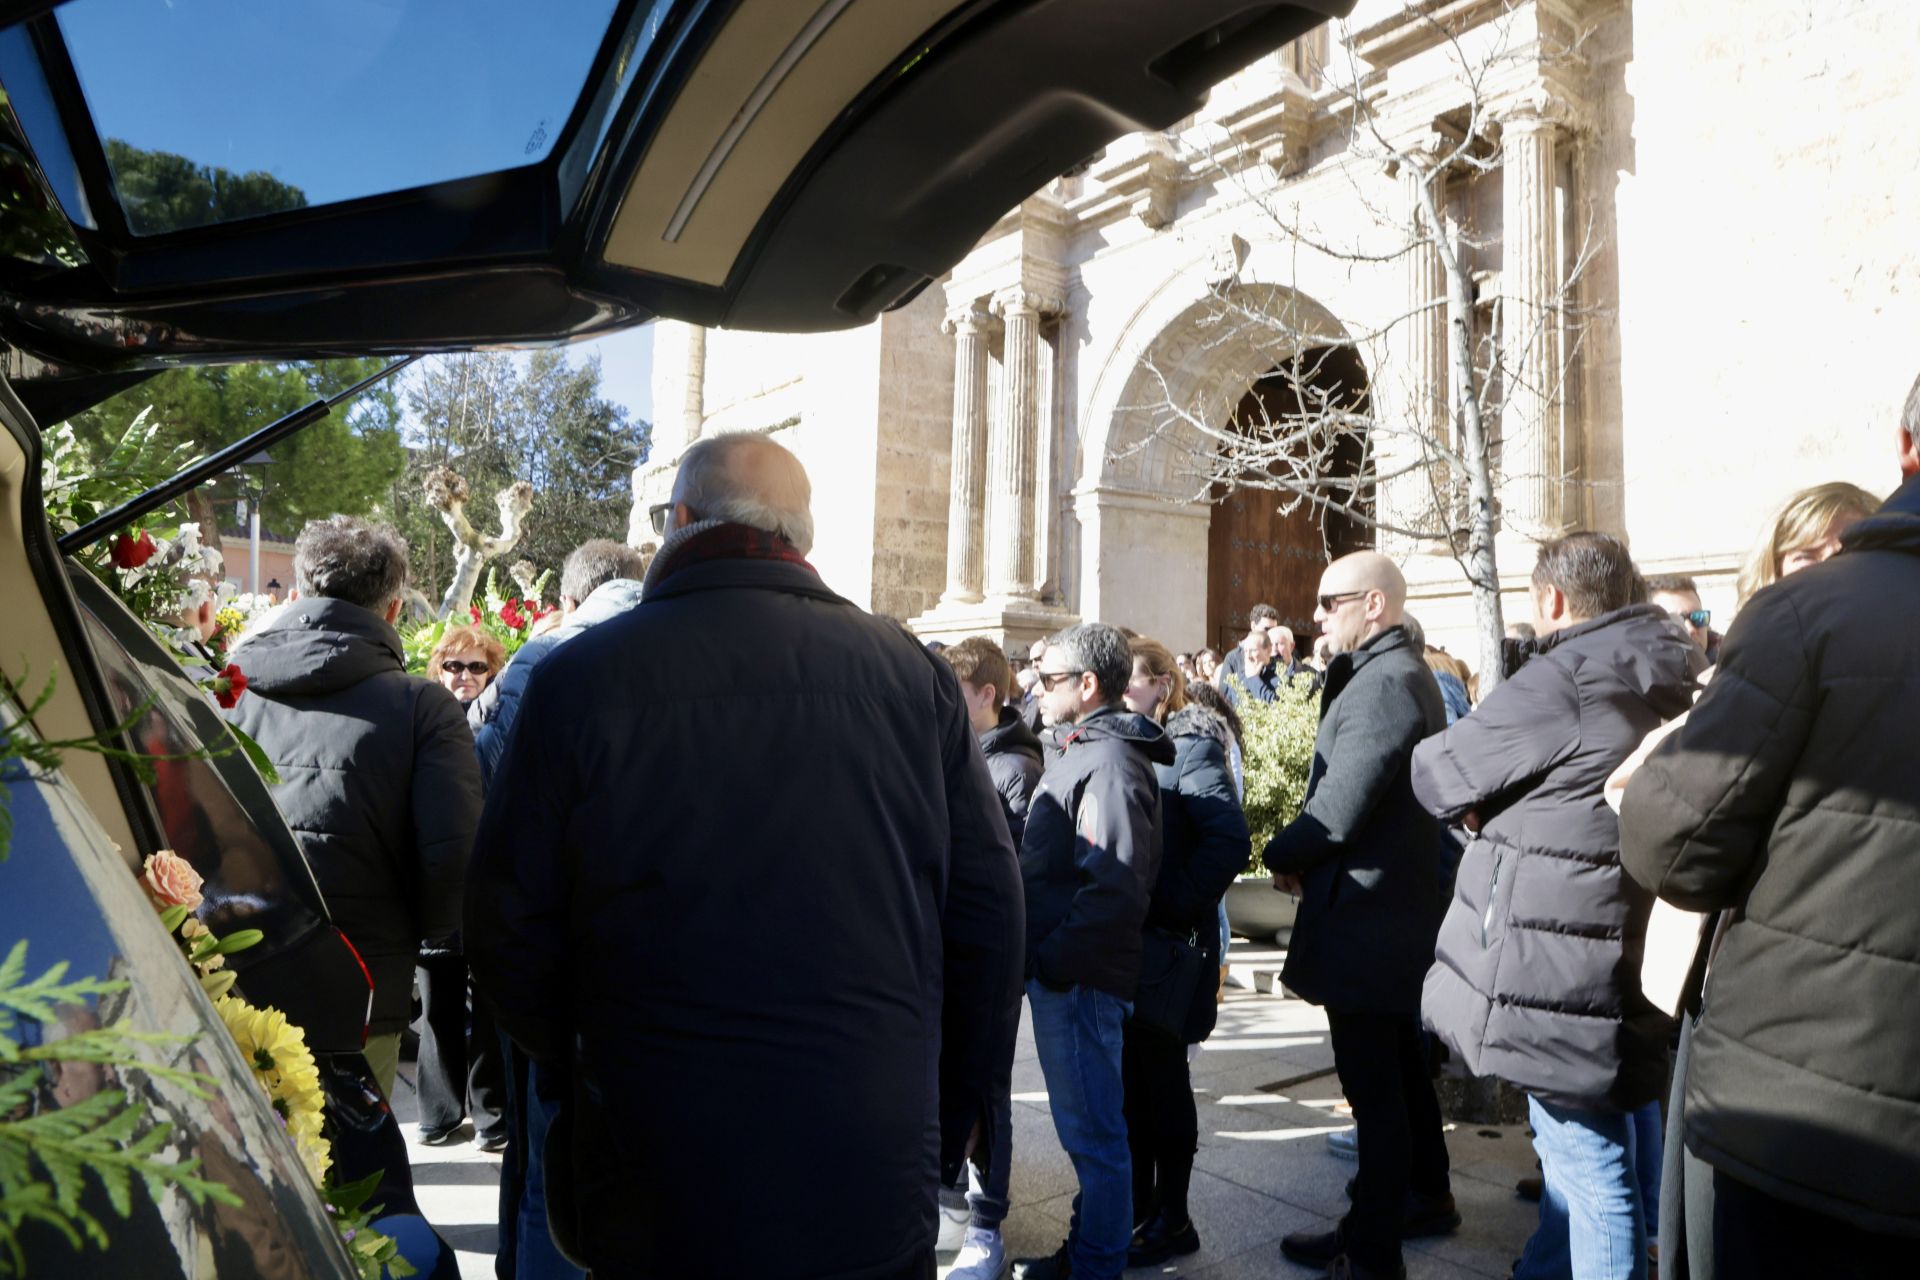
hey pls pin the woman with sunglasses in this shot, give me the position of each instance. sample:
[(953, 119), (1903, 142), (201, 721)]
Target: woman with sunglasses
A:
[(1204, 845), (461, 1072)]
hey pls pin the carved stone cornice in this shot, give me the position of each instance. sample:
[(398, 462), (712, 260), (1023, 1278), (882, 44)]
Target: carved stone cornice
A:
[(1276, 126), (1144, 173)]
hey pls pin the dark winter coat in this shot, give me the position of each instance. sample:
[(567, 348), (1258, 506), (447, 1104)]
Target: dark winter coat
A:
[(1015, 759), (1537, 977), (1204, 842), (744, 846), (377, 779), (1369, 857), (1092, 851), (1792, 796)]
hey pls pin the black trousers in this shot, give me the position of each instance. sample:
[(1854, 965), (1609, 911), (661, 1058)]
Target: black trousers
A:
[(461, 1073), (1163, 1126), (1755, 1234), (1383, 1067)]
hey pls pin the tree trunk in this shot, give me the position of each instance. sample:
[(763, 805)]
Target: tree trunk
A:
[(447, 492)]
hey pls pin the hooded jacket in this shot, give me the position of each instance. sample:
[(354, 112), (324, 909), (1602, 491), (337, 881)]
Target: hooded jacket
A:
[(377, 779), (751, 882), (1204, 842), (1015, 759), (1537, 975), (1092, 851), (1369, 857), (608, 600), (1792, 797)]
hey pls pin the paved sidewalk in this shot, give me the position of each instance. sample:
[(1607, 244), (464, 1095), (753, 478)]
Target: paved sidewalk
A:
[(1267, 1097)]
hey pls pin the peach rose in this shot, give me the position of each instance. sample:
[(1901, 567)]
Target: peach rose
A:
[(171, 881)]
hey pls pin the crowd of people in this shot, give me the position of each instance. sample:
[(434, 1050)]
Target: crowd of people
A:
[(725, 897)]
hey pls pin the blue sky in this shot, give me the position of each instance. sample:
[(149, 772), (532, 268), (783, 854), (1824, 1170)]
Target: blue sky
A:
[(340, 98)]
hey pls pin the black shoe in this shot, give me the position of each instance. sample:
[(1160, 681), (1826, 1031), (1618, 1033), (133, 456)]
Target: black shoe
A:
[(441, 1137), (1345, 1268), (1530, 1187), (1057, 1265), (492, 1143), (1160, 1240), (1314, 1248), (1429, 1216)]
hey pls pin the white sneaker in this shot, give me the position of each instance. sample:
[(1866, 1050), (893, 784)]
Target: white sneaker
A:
[(954, 1217), (982, 1257)]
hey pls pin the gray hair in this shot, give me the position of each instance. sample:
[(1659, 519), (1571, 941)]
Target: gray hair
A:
[(709, 486), (1096, 647), (597, 562), (347, 558), (1910, 416)]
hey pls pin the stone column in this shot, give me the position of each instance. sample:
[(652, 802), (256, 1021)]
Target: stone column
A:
[(1013, 448), (966, 500), (1530, 300), (693, 413), (1422, 352)]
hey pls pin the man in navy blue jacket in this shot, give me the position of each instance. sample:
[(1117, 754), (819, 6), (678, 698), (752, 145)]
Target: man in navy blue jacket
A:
[(735, 886), (1089, 859)]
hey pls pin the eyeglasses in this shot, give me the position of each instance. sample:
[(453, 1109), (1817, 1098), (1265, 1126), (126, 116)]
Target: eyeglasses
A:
[(657, 514), (1698, 618), (1329, 603), (1050, 680), (470, 668)]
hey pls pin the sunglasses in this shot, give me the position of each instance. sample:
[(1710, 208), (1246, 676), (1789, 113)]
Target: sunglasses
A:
[(470, 668), (1698, 618), (1329, 603), (1050, 680), (657, 514)]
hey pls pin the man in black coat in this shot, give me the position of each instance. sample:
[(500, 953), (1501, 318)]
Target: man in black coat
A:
[(1536, 980), (377, 772), (1089, 860), (1789, 796), (1367, 862), (738, 887)]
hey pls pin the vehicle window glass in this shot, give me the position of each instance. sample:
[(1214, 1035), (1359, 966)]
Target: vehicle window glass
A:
[(215, 110), (65, 893)]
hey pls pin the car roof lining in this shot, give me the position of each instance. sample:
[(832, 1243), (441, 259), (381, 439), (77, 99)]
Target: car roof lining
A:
[(769, 85)]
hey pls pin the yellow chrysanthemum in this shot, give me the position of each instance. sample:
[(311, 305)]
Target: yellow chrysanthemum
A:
[(277, 1052)]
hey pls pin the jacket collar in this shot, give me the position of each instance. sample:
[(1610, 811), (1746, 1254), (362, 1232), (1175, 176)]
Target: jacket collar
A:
[(1895, 527), (1591, 625), (711, 540)]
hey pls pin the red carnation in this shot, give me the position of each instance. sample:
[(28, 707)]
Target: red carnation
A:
[(511, 615), (474, 610), (228, 685), (130, 552)]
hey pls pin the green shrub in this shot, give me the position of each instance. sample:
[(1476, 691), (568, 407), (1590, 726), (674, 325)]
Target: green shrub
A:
[(1277, 756)]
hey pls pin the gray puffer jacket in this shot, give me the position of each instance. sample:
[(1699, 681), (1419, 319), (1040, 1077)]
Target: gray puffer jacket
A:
[(608, 600), (377, 780), (1536, 976)]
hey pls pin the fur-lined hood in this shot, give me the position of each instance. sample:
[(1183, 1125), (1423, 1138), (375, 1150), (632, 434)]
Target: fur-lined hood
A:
[(1195, 721)]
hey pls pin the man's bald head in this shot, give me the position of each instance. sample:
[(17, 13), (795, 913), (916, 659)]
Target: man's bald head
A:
[(745, 478), (1361, 595)]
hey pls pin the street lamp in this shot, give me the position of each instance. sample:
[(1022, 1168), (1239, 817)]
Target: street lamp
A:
[(257, 472)]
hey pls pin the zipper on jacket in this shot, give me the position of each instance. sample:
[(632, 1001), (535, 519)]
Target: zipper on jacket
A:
[(1493, 890)]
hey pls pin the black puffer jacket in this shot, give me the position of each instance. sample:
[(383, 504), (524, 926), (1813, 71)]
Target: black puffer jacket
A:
[(1792, 796), (1537, 976), (1014, 758), (1092, 851), (377, 779), (1370, 858), (1204, 842)]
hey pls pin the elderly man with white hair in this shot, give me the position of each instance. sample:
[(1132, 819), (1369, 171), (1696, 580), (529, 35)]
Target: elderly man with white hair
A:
[(741, 890)]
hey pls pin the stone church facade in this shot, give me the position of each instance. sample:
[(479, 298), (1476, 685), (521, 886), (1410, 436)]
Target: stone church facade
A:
[(1715, 214)]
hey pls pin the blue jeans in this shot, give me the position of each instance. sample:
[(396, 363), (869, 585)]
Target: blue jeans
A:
[(1077, 1033), (1602, 1174)]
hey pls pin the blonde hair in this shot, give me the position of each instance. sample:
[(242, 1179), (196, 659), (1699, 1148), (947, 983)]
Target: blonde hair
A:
[(1158, 660), (1803, 521), (468, 635)]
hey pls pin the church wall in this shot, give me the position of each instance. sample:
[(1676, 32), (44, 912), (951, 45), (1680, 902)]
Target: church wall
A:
[(913, 466), (1770, 280)]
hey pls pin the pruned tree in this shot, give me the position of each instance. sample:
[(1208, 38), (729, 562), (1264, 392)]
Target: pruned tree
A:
[(446, 492), (1469, 445)]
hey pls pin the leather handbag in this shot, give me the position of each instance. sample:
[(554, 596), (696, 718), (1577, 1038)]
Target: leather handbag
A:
[(1172, 970)]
